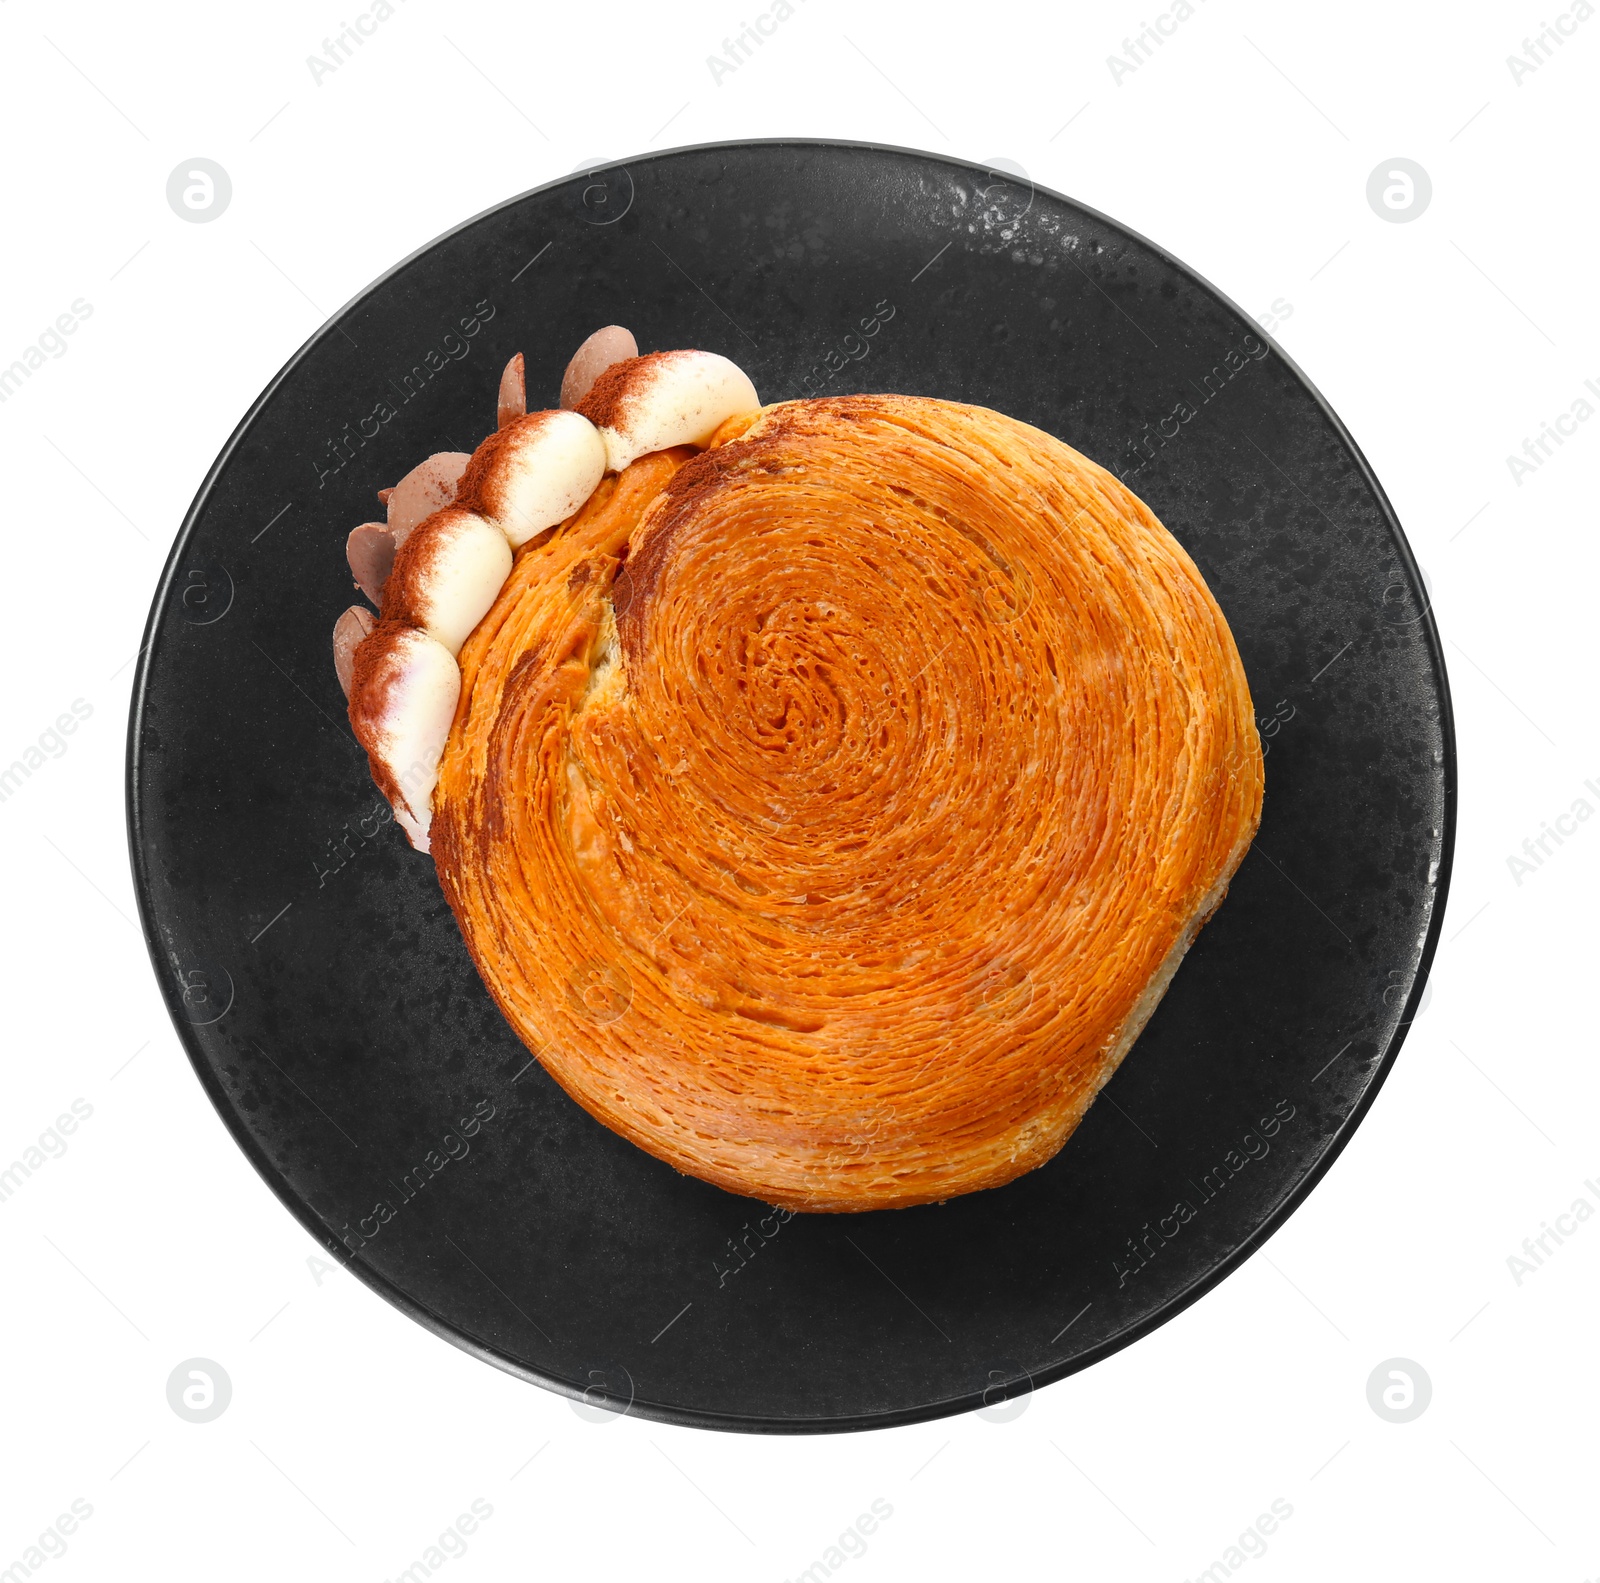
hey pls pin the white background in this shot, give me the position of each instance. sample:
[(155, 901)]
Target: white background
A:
[(1244, 146)]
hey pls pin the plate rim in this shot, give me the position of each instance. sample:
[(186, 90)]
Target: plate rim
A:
[(700, 1418)]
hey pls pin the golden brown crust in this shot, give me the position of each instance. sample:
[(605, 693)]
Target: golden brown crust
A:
[(828, 811)]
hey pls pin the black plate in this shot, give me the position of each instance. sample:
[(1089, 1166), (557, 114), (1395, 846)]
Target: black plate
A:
[(325, 997)]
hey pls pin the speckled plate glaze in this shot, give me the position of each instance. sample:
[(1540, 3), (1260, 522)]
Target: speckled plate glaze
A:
[(329, 1006)]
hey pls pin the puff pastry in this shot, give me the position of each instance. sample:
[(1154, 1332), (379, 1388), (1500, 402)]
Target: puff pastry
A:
[(829, 799)]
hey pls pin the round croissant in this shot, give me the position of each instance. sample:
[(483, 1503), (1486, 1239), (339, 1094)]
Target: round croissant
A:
[(829, 809)]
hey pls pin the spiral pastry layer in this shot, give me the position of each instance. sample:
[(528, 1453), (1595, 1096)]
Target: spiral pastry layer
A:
[(828, 809)]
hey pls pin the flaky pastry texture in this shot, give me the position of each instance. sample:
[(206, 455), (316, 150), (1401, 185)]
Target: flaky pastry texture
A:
[(828, 809)]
